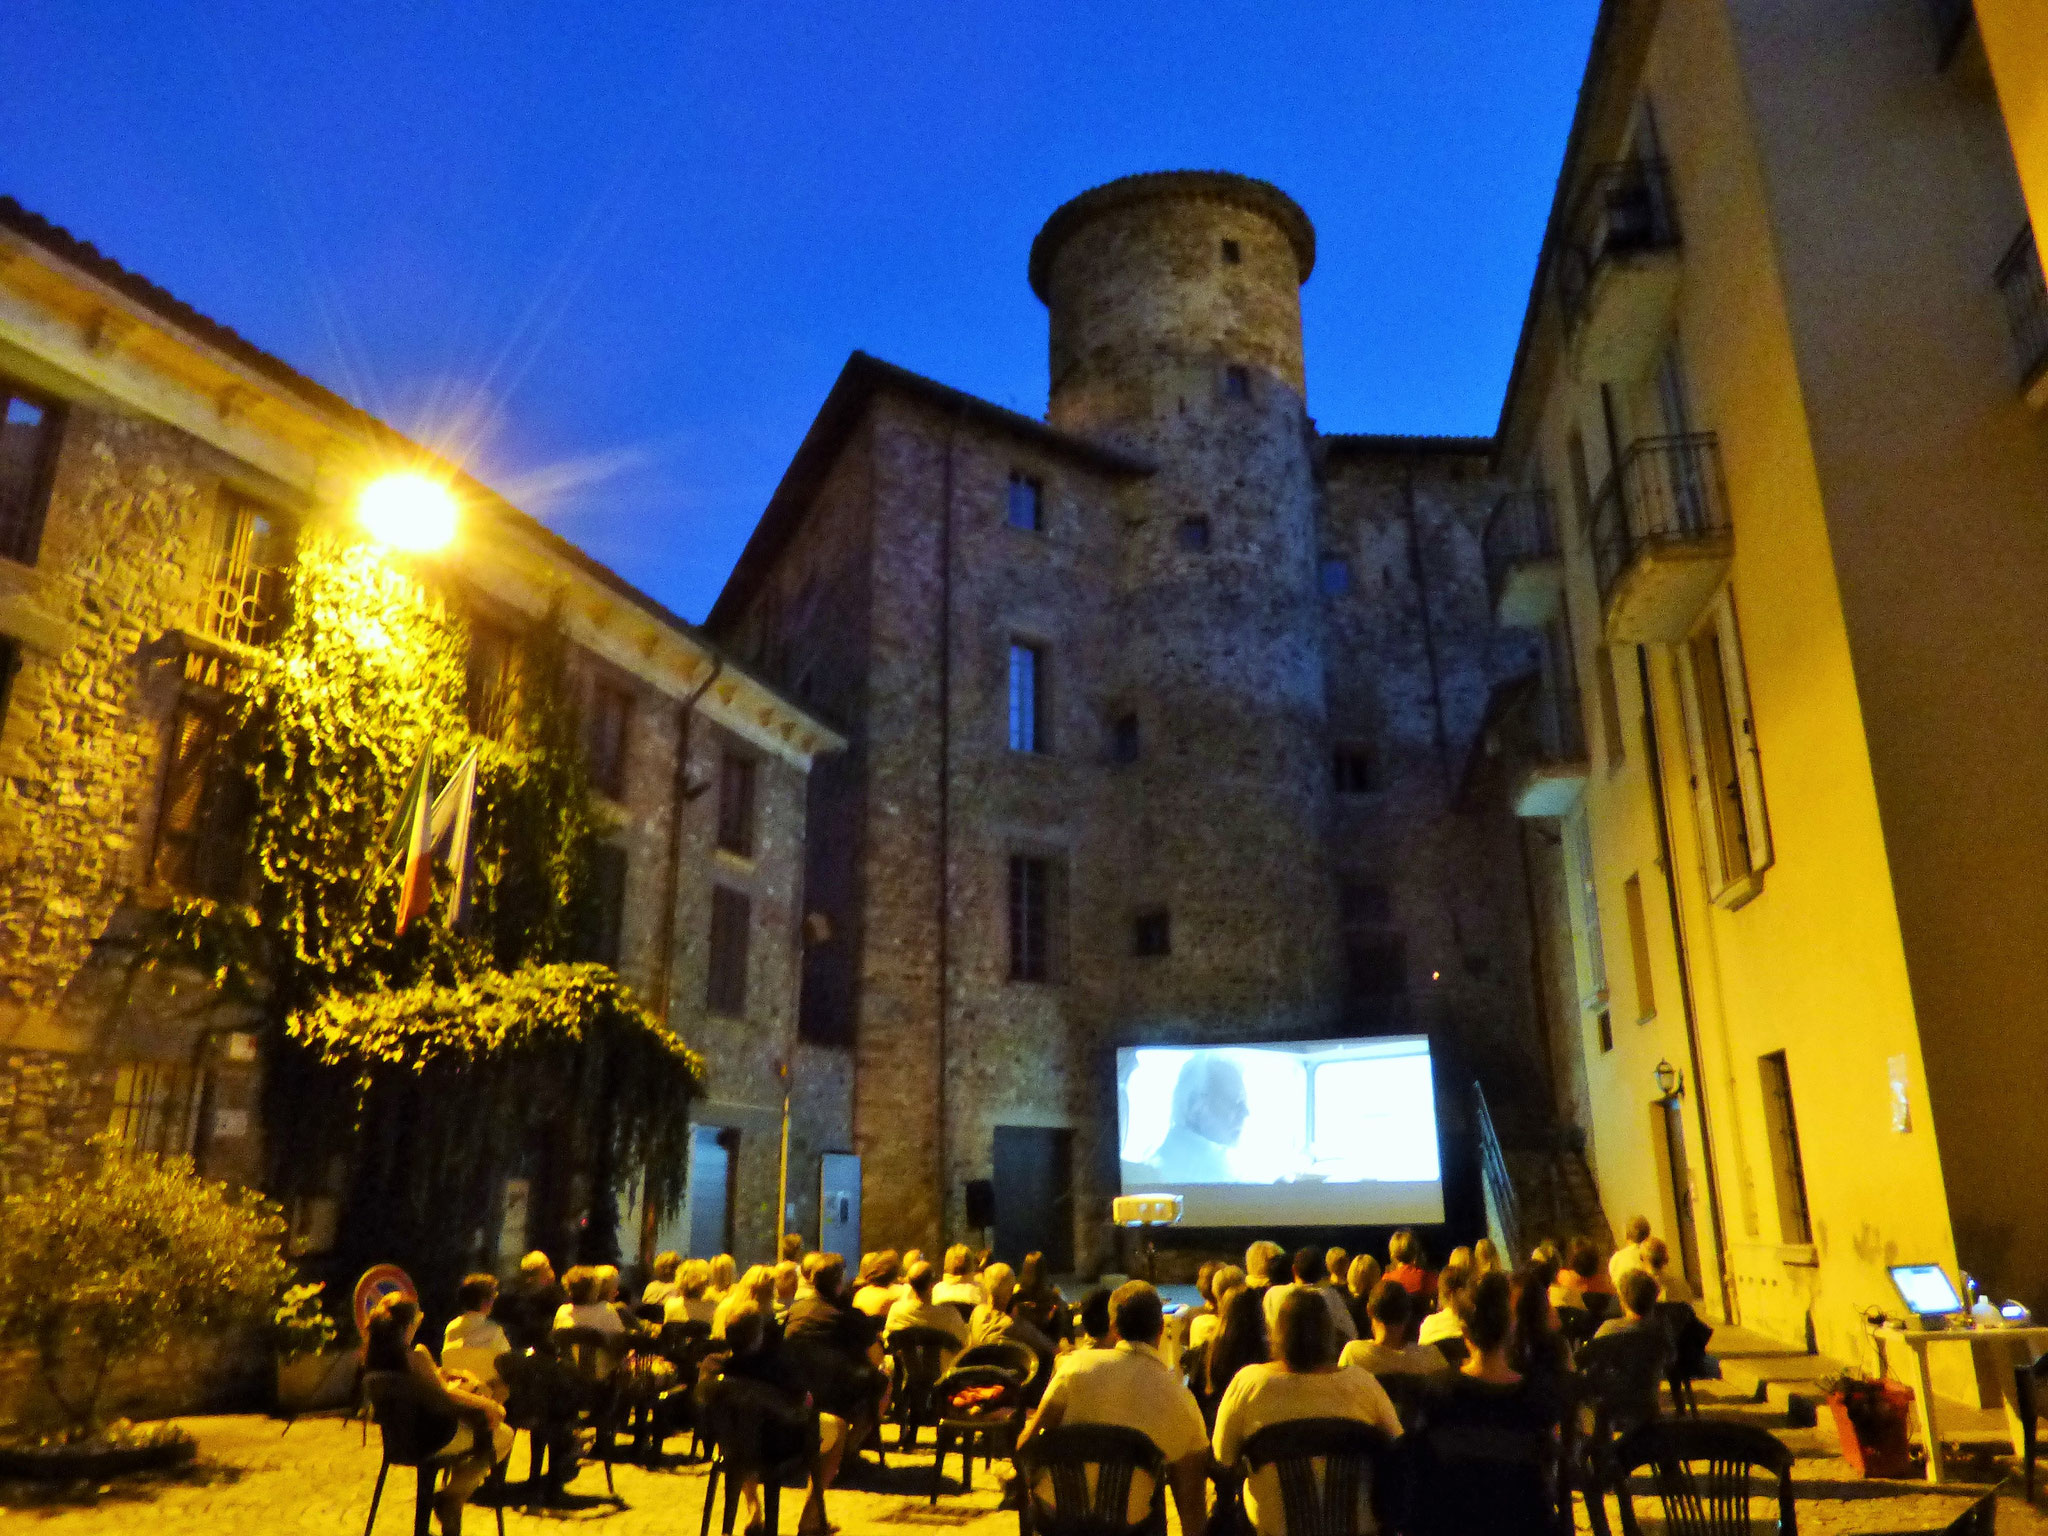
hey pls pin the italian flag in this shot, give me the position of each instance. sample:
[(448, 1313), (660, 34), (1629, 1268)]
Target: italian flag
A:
[(424, 823), (415, 823)]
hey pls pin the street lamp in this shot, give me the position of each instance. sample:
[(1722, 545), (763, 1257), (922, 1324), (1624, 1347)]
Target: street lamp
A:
[(1668, 1079), (408, 510)]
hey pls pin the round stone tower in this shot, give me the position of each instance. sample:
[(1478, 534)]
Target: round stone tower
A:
[(1176, 336)]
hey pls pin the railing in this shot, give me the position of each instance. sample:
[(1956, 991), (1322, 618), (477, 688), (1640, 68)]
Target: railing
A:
[(1952, 20), (241, 602), (1521, 529), (1493, 1168), (1665, 490), (1624, 210), (1546, 725), (2021, 285)]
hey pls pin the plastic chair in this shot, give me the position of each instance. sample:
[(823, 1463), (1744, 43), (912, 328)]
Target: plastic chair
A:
[(1488, 1461), (741, 1418), (1622, 1372), (2028, 1381), (1063, 1457), (1410, 1393), (1689, 1338), (990, 1427), (1020, 1360), (1715, 1501), (917, 1361), (593, 1356), (413, 1426), (1454, 1350), (1353, 1483), (1578, 1325)]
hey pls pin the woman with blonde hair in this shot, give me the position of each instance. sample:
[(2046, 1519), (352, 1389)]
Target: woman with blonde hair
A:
[(1485, 1258), (722, 1270), (690, 1304), (663, 1285), (756, 1286), (1360, 1283)]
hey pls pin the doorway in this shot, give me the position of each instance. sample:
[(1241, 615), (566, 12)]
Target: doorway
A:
[(714, 1166), (1678, 1189), (1034, 1189), (839, 1203)]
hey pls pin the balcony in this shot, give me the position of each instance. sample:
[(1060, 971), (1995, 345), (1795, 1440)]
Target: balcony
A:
[(1662, 538), (1618, 271), (1544, 734), (2025, 294), (1524, 575)]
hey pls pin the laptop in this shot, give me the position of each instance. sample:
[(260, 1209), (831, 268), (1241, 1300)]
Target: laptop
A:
[(1927, 1293)]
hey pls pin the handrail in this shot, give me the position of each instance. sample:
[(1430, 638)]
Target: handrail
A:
[(2020, 283), (1665, 490), (1493, 1167), (1623, 210)]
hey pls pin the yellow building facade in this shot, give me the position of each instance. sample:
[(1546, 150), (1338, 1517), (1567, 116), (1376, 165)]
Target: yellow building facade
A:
[(1772, 397)]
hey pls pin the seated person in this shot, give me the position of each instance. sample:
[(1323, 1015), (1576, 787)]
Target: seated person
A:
[(1387, 1352), (836, 1350), (723, 1271), (586, 1307), (755, 1287), (788, 1277), (1094, 1323), (690, 1304), (480, 1439), (917, 1311), (1203, 1326), (527, 1311), (1539, 1351), (757, 1357), (608, 1285), (879, 1285), (1629, 1379), (472, 1327), (1130, 1385), (1407, 1264), (1443, 1324), (663, 1285), (1263, 1260), (1039, 1301), (1583, 1260), (1671, 1284), (1630, 1254), (1360, 1281), (1303, 1382), (959, 1287), (995, 1319)]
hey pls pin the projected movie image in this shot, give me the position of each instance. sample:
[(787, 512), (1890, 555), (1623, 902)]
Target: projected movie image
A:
[(1302, 1133)]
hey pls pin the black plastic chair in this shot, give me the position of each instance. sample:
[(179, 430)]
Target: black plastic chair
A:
[(1410, 1392), (1712, 1501), (917, 1361), (2028, 1384), (990, 1428), (1485, 1461), (1019, 1359), (1578, 1325), (1454, 1350), (755, 1431), (1351, 1495), (413, 1427), (593, 1355), (1601, 1304), (1689, 1338), (1622, 1372), (1063, 1457)]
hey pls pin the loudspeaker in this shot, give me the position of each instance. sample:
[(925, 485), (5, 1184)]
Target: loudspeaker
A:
[(981, 1203)]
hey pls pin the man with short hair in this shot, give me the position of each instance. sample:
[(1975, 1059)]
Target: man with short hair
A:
[(959, 1288), (1630, 1254), (1258, 1263), (917, 1310), (1628, 1354), (472, 1327), (1388, 1352), (1671, 1285), (527, 1311), (1131, 1386), (1309, 1276)]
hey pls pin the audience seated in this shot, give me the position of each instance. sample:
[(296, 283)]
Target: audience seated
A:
[(996, 1318), (1259, 1261), (791, 1250), (527, 1311), (1630, 1254), (787, 1277), (1360, 1282), (841, 1355), (1671, 1284), (690, 1304), (586, 1307), (1240, 1340), (1303, 1382), (1038, 1300), (959, 1287), (472, 1326), (1443, 1323), (1485, 1257), (1094, 1321), (917, 1310), (1408, 1264), (1227, 1279), (755, 1287), (1336, 1264), (1128, 1384), (879, 1285), (723, 1269), (1631, 1378), (757, 1356), (480, 1439), (1539, 1350), (1388, 1352), (1583, 1260), (663, 1285)]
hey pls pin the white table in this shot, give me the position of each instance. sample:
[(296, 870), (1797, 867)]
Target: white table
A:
[(2007, 1349)]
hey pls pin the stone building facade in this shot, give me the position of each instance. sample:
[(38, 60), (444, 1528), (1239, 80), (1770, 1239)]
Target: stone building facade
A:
[(1159, 714), (152, 466)]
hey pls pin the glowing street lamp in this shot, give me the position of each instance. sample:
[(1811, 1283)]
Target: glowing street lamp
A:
[(408, 510)]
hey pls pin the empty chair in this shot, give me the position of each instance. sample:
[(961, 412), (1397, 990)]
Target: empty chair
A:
[(1330, 1474), (918, 1359), (1021, 1360), (1689, 1362), (1706, 1475), (977, 1408), (1081, 1479)]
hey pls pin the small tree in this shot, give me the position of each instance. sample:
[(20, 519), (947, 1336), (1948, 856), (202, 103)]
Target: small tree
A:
[(121, 1255)]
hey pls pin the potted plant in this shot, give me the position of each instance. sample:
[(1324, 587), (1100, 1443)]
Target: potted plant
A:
[(311, 1372), (1871, 1422), (118, 1256)]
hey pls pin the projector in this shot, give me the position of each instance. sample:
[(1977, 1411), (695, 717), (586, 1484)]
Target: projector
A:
[(1145, 1210)]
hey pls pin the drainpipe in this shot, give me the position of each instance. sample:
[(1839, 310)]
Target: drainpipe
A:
[(680, 795), (1655, 765), (945, 936), (1436, 689)]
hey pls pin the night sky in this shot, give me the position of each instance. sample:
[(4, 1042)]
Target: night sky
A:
[(614, 254)]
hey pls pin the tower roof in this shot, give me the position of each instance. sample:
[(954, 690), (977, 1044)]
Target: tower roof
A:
[(1246, 192)]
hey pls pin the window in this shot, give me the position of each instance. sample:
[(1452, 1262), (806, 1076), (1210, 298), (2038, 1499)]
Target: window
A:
[(1727, 774), (1639, 948), (1237, 383), (1605, 1026), (1232, 253), (1333, 575), (1027, 503), (1353, 771), (1194, 534), (606, 735), (1152, 934), (1587, 945), (1035, 896), (1123, 739), (604, 920), (245, 581), (732, 914), (487, 684), (202, 824), (28, 451), (1795, 1217), (736, 804), (156, 1108), (1028, 723), (1610, 707)]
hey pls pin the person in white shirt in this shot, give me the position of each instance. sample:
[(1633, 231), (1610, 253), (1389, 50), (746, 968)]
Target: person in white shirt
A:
[(959, 1288), (1443, 1323), (472, 1328), (1308, 1276), (1305, 1382), (1630, 1254), (1129, 1384), (917, 1311), (690, 1304), (1388, 1352), (586, 1307)]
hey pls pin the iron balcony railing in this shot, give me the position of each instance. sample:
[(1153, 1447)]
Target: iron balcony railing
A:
[(1624, 210), (1521, 529), (1665, 490), (2021, 285), (242, 600), (1546, 724)]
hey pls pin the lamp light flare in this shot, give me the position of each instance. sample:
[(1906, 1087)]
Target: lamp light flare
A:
[(408, 510)]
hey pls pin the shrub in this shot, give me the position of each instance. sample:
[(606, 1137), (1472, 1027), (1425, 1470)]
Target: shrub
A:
[(119, 1256), (299, 1324)]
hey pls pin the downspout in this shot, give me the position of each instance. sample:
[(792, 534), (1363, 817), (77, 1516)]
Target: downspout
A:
[(945, 936), (1415, 571), (1655, 767), (679, 796)]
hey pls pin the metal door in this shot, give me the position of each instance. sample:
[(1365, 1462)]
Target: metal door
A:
[(839, 1205), (1681, 1190)]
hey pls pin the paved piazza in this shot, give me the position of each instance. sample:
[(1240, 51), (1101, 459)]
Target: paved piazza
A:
[(316, 1481)]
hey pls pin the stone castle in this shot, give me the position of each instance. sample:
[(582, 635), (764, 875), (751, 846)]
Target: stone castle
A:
[(1168, 718)]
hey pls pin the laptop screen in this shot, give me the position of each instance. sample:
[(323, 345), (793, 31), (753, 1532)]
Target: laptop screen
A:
[(1926, 1289)]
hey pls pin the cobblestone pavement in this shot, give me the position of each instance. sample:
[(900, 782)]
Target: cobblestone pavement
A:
[(316, 1481)]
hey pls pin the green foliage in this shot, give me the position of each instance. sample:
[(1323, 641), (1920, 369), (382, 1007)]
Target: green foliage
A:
[(118, 1257), (300, 1324)]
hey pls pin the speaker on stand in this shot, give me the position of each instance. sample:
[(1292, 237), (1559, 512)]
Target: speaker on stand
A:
[(981, 1206)]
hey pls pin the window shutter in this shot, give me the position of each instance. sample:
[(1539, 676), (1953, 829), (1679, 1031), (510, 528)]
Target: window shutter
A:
[(1748, 763), (1700, 775)]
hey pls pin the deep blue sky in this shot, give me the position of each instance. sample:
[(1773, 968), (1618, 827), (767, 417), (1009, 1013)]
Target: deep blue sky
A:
[(623, 248)]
